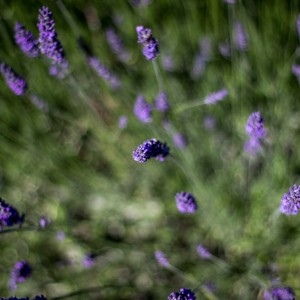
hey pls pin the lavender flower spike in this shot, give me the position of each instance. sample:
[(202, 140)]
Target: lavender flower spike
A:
[(26, 41), (186, 203), (150, 44), (252, 146), (183, 294), (142, 110), (298, 25), (279, 293), (41, 297), (179, 140), (240, 37), (161, 102), (215, 97), (290, 202), (15, 82), (143, 34), (255, 126), (162, 259), (9, 216), (19, 274), (150, 148), (203, 252)]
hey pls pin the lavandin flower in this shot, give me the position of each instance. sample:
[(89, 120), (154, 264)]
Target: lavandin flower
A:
[(123, 120), (89, 260), (161, 102), (50, 45), (183, 294), (150, 148), (215, 97), (142, 109), (179, 140), (26, 41), (104, 72), (161, 259), (150, 44), (290, 202), (240, 37), (19, 274), (15, 82), (252, 146), (9, 216), (279, 293), (255, 126), (203, 252), (186, 203), (116, 44)]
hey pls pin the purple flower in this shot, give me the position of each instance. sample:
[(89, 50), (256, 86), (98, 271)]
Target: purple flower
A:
[(240, 37), (255, 126), (123, 120), (161, 102), (290, 202), (104, 72), (89, 260), (253, 146), (162, 259), (298, 25), (296, 70), (60, 235), (215, 97), (279, 293), (26, 41), (141, 3), (203, 252), (44, 222), (9, 216), (41, 297), (186, 203), (142, 109), (209, 123), (49, 44), (150, 148), (179, 140), (167, 63), (15, 82), (39, 103), (229, 1), (224, 49), (183, 294), (150, 44), (19, 274), (116, 44)]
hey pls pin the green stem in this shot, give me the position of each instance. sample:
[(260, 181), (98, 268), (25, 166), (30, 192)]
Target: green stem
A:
[(157, 75)]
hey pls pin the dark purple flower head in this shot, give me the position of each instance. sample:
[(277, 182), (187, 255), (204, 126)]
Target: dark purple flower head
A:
[(161, 102), (186, 203), (15, 82), (162, 259), (255, 126), (183, 294), (203, 252), (142, 109), (41, 297), (143, 34), (290, 202), (104, 72), (253, 146), (26, 41), (179, 140), (279, 293), (215, 97), (9, 216), (89, 260), (150, 148), (240, 37), (19, 274)]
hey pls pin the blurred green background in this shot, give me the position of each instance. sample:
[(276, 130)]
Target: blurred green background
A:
[(74, 165)]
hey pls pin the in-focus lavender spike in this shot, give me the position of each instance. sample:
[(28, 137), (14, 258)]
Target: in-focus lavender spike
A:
[(183, 294), (186, 203), (290, 202), (150, 44)]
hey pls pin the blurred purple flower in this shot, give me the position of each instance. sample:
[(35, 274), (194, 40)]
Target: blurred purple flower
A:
[(296, 71), (240, 37), (150, 44), (15, 82), (142, 110), (215, 97), (60, 235), (203, 252), (41, 297), (252, 146), (123, 120), (224, 49), (116, 44), (179, 140), (279, 293), (298, 25), (26, 41), (19, 274), (209, 122), (39, 103), (89, 260), (290, 202), (183, 294), (104, 72), (255, 126), (9, 216), (161, 102), (186, 203), (162, 259), (229, 1), (150, 148), (44, 222), (141, 3), (167, 62)]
